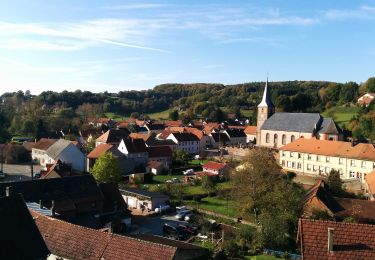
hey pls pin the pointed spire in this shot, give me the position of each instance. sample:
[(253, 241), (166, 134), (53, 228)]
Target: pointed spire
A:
[(266, 100)]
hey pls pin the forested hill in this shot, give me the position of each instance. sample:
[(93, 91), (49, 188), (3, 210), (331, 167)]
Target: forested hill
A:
[(23, 113)]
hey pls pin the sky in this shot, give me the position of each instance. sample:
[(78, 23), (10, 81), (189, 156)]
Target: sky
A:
[(135, 45)]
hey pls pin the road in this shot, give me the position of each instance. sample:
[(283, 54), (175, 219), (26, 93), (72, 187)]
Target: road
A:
[(17, 172)]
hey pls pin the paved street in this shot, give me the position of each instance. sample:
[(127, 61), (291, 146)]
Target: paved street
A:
[(16, 172), (152, 225)]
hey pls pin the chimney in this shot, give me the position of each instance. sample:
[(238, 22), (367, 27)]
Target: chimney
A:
[(53, 208), (330, 239), (40, 204), (7, 191)]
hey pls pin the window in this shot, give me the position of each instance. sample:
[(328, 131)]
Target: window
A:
[(298, 165), (351, 174), (299, 156), (292, 138), (341, 172), (373, 166), (288, 164), (327, 159), (291, 155), (308, 167), (317, 158), (283, 139), (282, 163), (309, 157), (275, 138), (293, 165), (283, 153), (315, 168), (341, 161), (267, 138), (352, 162), (363, 164)]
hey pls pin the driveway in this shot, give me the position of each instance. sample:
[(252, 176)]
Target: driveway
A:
[(152, 225)]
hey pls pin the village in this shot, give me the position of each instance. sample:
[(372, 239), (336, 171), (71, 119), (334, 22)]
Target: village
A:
[(167, 190)]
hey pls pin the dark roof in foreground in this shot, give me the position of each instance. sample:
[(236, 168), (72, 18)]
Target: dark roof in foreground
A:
[(20, 237), (350, 240), (58, 189), (292, 122), (76, 242), (145, 193)]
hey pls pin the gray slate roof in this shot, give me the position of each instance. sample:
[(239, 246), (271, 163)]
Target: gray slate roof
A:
[(54, 150), (329, 127), (293, 122)]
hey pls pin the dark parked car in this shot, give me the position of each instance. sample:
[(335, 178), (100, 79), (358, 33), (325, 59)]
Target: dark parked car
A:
[(175, 231), (191, 230)]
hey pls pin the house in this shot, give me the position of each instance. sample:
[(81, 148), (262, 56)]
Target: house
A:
[(251, 134), (319, 157), (135, 150), (68, 197), (319, 198), (57, 170), (204, 139), (366, 99), (66, 152), (69, 241), (39, 149), (161, 142), (144, 137), (112, 136), (370, 185), (20, 237), (155, 128), (216, 168), (186, 142), (321, 240), (160, 154), (127, 165), (277, 129), (219, 139), (156, 167), (236, 136), (134, 198), (102, 121)]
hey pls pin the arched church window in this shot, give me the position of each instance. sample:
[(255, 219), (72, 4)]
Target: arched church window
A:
[(292, 138), (275, 138), (283, 140), (267, 138)]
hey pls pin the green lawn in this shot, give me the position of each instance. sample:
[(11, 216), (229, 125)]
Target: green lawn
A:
[(218, 205), (341, 114), (160, 115), (116, 117), (246, 112), (192, 190), (198, 162)]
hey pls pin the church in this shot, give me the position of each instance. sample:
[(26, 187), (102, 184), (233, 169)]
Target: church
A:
[(276, 129)]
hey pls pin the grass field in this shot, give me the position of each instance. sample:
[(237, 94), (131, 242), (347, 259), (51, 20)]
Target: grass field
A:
[(341, 114), (160, 115), (218, 205), (116, 117)]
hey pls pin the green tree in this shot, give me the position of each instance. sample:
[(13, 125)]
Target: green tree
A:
[(319, 214), (349, 92), (173, 115), (180, 157), (368, 86), (334, 183), (107, 169), (208, 184)]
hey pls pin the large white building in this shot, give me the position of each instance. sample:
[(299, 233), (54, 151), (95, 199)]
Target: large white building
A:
[(319, 157)]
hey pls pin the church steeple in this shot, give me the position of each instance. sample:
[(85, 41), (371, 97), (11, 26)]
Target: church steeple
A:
[(266, 100)]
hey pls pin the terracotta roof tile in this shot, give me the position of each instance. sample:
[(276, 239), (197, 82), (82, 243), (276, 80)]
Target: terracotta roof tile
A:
[(350, 240), (214, 165), (99, 150), (44, 143), (332, 148), (251, 130)]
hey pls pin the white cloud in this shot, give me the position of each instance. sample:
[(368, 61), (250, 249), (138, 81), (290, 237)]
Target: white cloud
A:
[(136, 6), (363, 12)]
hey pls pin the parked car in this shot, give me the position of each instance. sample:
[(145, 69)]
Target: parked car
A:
[(184, 214), (179, 208), (188, 172), (174, 231), (174, 180), (189, 229), (162, 208)]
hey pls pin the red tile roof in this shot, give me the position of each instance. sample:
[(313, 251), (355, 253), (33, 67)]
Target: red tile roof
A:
[(251, 130), (99, 151), (370, 179), (350, 240), (145, 137), (44, 143), (174, 123), (77, 242), (332, 148), (213, 165)]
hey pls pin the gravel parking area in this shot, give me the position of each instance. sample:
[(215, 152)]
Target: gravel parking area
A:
[(17, 172)]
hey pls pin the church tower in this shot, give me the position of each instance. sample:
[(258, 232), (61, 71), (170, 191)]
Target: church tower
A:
[(265, 110)]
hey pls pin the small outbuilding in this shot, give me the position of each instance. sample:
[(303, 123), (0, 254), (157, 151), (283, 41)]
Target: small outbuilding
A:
[(137, 198)]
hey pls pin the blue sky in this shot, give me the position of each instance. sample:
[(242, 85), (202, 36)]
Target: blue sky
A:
[(122, 45)]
